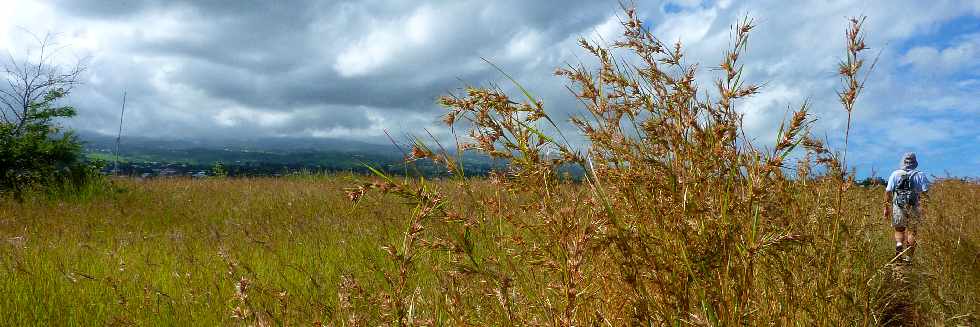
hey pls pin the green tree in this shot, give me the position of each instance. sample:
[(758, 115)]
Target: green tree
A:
[(219, 170), (35, 150)]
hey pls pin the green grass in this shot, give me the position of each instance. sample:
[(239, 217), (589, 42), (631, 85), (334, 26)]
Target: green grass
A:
[(170, 251), (153, 254)]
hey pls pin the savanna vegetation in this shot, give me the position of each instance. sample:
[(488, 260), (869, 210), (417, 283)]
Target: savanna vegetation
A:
[(678, 219), (36, 152), (294, 251)]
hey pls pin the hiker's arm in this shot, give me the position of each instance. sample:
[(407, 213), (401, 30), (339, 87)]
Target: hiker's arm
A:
[(888, 205), (924, 194), (889, 187)]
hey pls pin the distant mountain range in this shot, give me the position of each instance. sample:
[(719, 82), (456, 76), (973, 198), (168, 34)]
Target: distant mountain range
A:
[(271, 145), (260, 156)]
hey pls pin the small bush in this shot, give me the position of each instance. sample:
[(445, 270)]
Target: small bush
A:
[(35, 151)]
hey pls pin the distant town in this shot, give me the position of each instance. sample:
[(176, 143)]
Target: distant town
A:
[(145, 158)]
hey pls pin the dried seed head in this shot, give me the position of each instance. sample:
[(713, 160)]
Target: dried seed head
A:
[(419, 152), (355, 194)]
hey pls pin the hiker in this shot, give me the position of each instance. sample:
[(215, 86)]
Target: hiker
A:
[(902, 198)]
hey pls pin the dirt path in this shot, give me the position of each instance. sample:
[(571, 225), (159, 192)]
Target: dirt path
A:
[(900, 307)]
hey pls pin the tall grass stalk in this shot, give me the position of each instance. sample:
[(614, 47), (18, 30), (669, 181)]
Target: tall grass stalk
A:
[(682, 219)]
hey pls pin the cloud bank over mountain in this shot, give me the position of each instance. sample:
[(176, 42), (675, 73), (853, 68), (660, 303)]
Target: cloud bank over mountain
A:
[(353, 69)]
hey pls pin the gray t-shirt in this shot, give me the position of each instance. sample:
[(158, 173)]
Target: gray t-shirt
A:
[(906, 217), (920, 183)]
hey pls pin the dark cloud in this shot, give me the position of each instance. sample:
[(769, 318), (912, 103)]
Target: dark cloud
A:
[(103, 9), (251, 68), (394, 57)]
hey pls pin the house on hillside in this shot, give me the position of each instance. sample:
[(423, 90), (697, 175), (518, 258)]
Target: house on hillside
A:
[(167, 172)]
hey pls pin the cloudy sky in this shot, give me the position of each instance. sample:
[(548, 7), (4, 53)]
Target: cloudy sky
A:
[(352, 69)]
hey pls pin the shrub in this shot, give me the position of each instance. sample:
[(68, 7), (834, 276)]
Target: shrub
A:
[(35, 151), (219, 170), (680, 218)]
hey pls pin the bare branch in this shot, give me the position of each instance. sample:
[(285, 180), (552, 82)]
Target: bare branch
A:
[(30, 81)]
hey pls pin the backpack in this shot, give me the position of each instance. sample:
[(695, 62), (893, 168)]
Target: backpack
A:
[(905, 195)]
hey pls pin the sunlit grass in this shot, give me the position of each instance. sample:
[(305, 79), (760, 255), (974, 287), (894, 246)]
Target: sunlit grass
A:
[(170, 251)]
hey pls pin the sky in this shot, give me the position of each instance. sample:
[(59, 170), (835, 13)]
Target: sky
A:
[(354, 69)]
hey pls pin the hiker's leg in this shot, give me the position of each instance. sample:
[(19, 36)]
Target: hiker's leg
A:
[(910, 231), (899, 222), (899, 240), (910, 240), (900, 235)]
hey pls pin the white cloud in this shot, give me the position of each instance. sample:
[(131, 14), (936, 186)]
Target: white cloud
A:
[(917, 133), (921, 56), (524, 44), (18, 17), (961, 56), (770, 105), (688, 26), (5, 16), (385, 42)]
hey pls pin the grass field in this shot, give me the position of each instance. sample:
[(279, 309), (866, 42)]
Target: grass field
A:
[(171, 252), (678, 218)]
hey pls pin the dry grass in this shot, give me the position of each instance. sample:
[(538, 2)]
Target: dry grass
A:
[(168, 252), (679, 220), (172, 251)]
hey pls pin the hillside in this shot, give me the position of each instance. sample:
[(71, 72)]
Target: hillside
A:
[(255, 157)]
